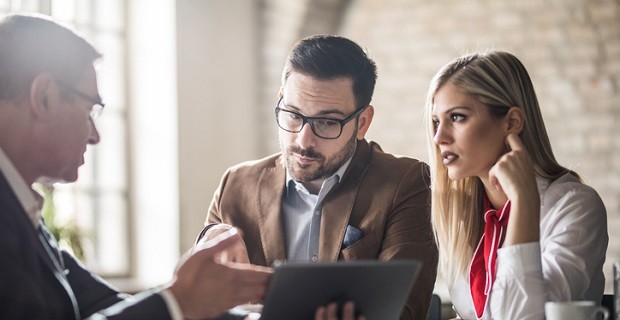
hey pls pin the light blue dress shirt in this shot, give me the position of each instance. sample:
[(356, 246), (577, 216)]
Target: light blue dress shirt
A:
[(301, 212)]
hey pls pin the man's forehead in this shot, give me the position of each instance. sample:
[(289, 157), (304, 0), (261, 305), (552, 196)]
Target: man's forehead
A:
[(88, 82), (337, 93), (297, 77)]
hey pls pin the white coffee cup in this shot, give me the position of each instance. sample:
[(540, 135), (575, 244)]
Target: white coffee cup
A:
[(574, 310)]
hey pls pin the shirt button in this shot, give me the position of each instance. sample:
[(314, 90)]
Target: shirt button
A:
[(317, 212), (314, 259)]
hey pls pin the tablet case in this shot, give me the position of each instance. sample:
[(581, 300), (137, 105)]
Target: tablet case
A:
[(378, 288)]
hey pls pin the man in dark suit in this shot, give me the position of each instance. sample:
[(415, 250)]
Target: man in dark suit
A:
[(48, 99), (329, 194)]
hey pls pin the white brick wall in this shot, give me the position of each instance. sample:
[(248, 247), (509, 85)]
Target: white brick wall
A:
[(570, 47)]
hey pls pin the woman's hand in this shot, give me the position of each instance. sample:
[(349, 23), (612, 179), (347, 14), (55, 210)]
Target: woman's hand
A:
[(514, 175)]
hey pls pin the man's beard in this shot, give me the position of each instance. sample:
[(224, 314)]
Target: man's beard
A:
[(326, 168)]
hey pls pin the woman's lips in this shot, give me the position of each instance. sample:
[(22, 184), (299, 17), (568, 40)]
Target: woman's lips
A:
[(448, 157)]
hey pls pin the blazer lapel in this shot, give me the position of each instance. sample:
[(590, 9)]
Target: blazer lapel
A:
[(338, 204), (38, 239), (270, 191), (42, 252), (48, 249), (14, 208)]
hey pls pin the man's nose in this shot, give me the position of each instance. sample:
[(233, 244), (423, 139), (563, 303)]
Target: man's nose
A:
[(306, 137), (93, 136)]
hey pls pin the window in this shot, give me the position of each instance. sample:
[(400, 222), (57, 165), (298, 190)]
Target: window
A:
[(98, 201)]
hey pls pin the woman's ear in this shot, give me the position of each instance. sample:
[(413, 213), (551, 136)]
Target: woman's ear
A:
[(515, 120)]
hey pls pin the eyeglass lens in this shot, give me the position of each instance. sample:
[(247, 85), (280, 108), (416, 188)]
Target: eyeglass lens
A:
[(95, 111), (322, 127)]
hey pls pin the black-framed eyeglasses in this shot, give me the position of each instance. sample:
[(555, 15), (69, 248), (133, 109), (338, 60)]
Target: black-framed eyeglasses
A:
[(326, 128), (97, 107)]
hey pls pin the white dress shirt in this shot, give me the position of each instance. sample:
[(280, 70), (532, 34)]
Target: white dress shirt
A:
[(567, 263), (30, 200)]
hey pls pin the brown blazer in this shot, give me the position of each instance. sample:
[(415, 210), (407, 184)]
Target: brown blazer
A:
[(386, 197)]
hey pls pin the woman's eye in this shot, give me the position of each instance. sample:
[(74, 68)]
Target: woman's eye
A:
[(435, 124), (294, 116), (456, 117)]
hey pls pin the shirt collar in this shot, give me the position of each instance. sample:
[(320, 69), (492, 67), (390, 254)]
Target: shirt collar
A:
[(337, 175), (30, 200)]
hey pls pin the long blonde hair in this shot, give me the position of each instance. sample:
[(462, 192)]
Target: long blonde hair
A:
[(499, 81)]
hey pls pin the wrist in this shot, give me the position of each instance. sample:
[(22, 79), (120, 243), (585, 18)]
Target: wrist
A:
[(524, 223), (213, 230), (177, 293)]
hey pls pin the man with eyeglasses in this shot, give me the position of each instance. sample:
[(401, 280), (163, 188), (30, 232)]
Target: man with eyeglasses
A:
[(329, 194), (48, 102)]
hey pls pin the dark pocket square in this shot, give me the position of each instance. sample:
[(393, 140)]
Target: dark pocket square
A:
[(351, 236)]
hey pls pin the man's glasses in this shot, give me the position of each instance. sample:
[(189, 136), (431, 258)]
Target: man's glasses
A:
[(326, 128), (97, 107)]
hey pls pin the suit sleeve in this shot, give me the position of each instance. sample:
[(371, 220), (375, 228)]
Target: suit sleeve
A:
[(214, 216), (98, 300), (409, 235), (145, 305), (20, 297)]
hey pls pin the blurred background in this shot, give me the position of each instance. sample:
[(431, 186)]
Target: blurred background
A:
[(190, 87)]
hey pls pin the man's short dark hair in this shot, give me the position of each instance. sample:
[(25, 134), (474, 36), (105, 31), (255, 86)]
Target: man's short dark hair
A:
[(326, 57), (34, 44)]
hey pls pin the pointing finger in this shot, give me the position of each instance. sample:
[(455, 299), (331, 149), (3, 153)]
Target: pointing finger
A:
[(513, 142)]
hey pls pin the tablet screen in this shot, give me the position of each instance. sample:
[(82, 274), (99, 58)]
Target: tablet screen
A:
[(378, 288)]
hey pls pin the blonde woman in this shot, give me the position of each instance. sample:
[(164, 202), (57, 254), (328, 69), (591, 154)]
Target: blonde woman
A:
[(515, 229)]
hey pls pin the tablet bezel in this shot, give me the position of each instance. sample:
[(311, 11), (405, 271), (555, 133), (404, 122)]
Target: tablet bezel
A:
[(378, 288)]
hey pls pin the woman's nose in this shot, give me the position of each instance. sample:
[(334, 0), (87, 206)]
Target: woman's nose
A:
[(441, 135)]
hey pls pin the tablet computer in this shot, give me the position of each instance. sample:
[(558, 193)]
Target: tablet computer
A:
[(378, 288)]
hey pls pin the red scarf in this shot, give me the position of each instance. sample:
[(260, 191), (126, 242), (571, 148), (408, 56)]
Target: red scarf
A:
[(482, 270)]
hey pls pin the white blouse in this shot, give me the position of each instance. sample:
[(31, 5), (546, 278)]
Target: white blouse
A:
[(567, 263)]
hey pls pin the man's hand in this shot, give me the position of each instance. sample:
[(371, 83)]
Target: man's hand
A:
[(330, 312), (237, 253), (205, 287)]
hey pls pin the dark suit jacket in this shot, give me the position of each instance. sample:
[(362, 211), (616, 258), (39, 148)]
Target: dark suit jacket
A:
[(34, 285), (386, 197)]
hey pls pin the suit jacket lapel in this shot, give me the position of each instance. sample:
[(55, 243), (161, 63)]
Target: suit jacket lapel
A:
[(49, 248), (270, 191), (14, 208), (338, 204), (43, 254)]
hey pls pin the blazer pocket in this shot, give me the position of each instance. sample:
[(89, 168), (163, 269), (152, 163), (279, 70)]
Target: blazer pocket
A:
[(364, 248)]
